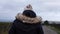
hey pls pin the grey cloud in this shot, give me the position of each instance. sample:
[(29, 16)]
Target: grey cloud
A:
[(43, 8)]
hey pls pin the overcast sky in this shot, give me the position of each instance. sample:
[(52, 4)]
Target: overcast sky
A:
[(47, 9)]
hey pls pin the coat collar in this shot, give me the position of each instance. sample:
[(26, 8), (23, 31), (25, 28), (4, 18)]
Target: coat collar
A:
[(26, 19)]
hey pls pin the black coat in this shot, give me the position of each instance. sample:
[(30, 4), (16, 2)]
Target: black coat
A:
[(23, 28), (26, 25)]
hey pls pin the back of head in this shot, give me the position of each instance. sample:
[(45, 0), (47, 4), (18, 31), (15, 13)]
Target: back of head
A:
[(28, 16), (29, 12)]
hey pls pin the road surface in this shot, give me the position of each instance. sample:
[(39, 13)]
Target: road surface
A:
[(48, 30)]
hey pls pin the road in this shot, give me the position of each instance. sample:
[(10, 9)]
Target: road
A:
[(48, 30)]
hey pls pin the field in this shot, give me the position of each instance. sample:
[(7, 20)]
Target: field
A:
[(4, 27), (56, 27)]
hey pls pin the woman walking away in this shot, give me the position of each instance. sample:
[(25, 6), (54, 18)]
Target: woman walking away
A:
[(27, 23)]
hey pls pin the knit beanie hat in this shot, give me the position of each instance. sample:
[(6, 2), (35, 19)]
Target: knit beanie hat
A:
[(29, 12)]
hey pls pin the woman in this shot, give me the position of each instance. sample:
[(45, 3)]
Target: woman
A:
[(27, 23)]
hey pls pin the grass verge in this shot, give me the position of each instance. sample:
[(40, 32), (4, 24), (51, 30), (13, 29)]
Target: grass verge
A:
[(55, 29)]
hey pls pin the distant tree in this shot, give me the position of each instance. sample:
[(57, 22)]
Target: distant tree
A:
[(46, 22)]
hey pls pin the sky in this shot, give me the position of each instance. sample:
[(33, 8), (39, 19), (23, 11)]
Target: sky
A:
[(47, 9)]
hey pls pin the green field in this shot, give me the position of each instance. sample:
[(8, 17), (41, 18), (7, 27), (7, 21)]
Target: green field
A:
[(56, 28), (4, 27)]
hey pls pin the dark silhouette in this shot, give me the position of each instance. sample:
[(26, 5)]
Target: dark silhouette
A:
[(46, 22), (27, 23)]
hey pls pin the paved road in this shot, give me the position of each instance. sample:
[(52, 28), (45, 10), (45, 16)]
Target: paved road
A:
[(48, 30)]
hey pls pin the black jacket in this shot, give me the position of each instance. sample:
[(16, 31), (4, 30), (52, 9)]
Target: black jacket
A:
[(20, 27)]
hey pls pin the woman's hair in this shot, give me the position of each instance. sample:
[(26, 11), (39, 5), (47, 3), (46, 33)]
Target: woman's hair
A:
[(29, 13)]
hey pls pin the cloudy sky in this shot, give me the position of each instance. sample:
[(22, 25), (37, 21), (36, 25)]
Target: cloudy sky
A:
[(47, 9)]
